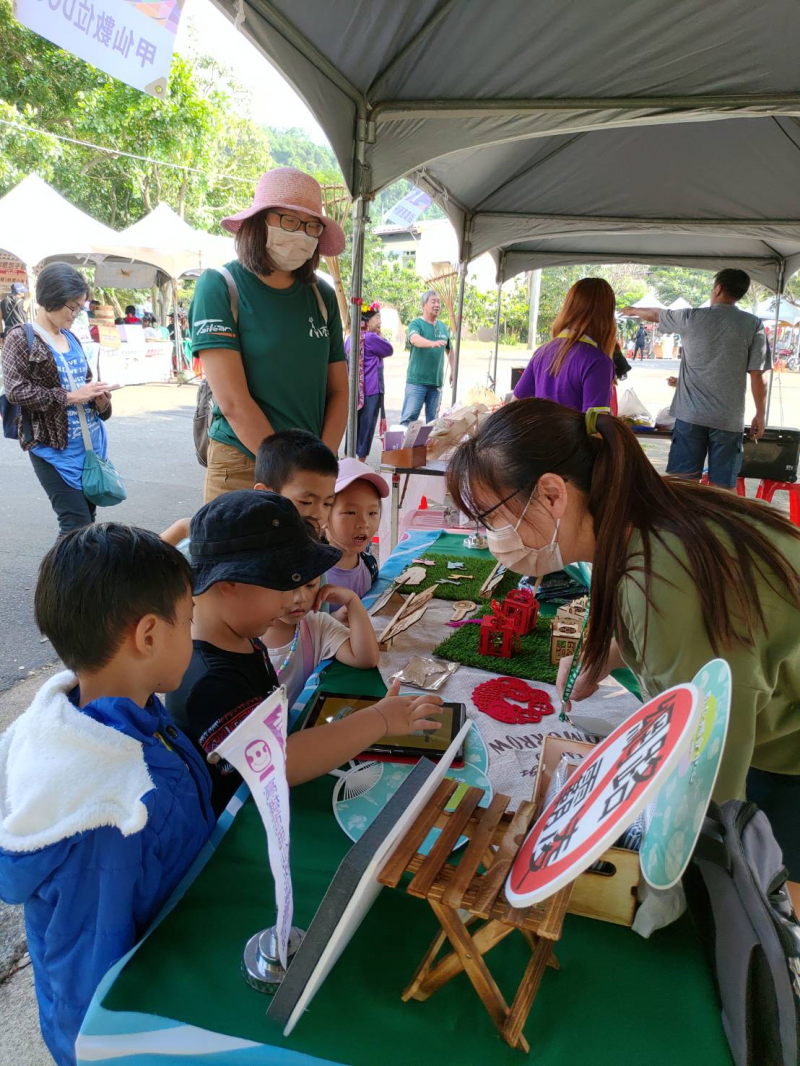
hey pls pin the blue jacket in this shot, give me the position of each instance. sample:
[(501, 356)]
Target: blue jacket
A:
[(99, 821)]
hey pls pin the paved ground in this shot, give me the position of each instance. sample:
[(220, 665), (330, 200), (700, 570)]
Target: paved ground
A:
[(151, 444)]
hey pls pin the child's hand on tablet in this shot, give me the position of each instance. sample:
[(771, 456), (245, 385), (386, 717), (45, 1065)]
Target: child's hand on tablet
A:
[(407, 714)]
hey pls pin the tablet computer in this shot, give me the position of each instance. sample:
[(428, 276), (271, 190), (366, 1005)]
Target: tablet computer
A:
[(333, 706)]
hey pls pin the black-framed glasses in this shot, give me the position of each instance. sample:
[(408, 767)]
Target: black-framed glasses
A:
[(74, 310), (485, 514), (291, 223)]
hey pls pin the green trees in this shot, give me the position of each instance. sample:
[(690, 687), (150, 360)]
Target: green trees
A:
[(196, 125)]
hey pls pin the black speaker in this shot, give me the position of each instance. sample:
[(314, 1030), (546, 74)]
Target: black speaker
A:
[(516, 374), (774, 457)]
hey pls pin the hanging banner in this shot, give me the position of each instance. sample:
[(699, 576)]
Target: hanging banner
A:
[(257, 748), (406, 211), (130, 40)]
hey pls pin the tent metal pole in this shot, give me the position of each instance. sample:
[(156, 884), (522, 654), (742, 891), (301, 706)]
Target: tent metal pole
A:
[(386, 110), (493, 377), (533, 309), (30, 280), (778, 297), (177, 327), (356, 282), (462, 282)]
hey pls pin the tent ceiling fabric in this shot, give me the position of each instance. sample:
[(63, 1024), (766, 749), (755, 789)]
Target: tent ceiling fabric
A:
[(661, 133), (439, 76)]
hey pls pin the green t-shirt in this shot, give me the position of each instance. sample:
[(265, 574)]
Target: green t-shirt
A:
[(285, 345), (426, 365), (764, 725)]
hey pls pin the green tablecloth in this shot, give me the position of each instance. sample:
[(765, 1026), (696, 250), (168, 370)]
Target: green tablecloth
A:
[(617, 1001)]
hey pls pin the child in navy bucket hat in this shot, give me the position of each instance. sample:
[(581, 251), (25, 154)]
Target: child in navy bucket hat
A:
[(249, 550)]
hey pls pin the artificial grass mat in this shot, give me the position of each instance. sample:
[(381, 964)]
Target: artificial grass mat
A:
[(462, 590), (532, 662)]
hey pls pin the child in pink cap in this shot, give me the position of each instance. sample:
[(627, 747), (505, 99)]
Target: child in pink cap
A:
[(353, 522)]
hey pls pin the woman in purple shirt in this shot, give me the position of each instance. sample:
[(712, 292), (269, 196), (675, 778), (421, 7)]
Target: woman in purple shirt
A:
[(576, 368), (374, 349)]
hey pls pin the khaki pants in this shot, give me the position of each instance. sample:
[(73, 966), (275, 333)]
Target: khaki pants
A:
[(228, 470)]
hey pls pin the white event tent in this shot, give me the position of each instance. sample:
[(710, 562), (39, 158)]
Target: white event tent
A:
[(165, 240), (556, 133), (37, 223)]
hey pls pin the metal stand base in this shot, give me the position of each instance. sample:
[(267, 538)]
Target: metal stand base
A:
[(261, 965), (476, 541)]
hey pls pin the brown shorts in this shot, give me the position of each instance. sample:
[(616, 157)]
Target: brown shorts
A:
[(228, 469)]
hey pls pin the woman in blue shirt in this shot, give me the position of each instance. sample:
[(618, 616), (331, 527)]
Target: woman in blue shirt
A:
[(48, 378)]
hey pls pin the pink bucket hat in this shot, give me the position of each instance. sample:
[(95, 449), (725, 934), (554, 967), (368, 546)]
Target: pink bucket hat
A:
[(351, 470), (292, 190)]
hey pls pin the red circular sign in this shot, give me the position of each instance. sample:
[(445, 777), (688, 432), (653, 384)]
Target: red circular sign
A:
[(604, 795)]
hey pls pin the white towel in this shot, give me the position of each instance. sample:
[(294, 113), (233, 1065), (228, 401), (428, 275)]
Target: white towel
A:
[(62, 773)]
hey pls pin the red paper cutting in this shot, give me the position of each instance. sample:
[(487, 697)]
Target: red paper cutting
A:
[(494, 699)]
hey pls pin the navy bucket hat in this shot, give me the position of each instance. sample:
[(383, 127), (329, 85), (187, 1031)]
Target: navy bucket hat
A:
[(255, 538)]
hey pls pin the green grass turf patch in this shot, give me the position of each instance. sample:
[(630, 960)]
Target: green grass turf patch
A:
[(532, 662), (462, 590)]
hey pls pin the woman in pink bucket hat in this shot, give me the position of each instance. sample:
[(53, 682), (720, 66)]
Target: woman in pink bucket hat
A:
[(270, 340)]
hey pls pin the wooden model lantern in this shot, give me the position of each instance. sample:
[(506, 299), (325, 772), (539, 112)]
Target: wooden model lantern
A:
[(564, 637), (521, 608), (497, 636), (572, 612)]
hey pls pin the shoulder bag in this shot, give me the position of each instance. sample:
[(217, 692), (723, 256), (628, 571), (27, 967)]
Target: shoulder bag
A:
[(100, 481)]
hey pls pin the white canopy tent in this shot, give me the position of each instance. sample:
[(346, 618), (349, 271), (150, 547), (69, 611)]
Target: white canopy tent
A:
[(649, 300), (167, 241), (786, 312), (37, 223), (680, 305), (559, 133)]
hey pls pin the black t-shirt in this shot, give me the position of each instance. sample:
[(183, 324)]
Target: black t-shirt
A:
[(218, 691)]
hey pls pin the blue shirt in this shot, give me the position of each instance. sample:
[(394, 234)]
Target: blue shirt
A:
[(69, 461), (91, 896)]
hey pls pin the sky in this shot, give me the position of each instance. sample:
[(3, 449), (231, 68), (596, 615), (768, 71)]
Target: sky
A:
[(275, 103)]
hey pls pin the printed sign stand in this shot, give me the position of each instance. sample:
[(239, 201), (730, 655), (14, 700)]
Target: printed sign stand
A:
[(604, 796), (681, 805), (257, 748)]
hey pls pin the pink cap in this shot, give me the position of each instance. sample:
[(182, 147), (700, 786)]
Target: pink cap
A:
[(351, 470)]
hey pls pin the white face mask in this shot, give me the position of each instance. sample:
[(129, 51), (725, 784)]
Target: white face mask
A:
[(288, 251), (507, 546)]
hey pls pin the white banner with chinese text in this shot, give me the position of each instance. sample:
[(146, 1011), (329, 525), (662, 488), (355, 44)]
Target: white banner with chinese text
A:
[(130, 39)]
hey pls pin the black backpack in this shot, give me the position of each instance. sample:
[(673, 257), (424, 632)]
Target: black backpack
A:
[(736, 890), (10, 412), (204, 408)]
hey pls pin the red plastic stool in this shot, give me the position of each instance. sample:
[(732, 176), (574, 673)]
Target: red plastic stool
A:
[(741, 490), (767, 489)]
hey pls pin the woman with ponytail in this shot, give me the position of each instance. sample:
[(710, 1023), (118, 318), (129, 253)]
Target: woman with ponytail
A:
[(681, 573), (576, 367)]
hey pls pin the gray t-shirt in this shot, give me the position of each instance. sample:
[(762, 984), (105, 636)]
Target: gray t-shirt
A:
[(720, 345)]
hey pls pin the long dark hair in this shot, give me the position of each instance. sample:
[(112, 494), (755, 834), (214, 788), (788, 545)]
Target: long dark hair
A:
[(588, 310), (526, 439), (251, 250)]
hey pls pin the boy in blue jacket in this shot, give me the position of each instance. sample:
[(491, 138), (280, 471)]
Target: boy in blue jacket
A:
[(104, 803)]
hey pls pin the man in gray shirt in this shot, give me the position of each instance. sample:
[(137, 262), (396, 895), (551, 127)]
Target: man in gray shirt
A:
[(722, 345)]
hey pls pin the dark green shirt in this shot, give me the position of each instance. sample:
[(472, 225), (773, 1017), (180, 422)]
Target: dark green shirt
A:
[(764, 726), (285, 345), (426, 365)]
